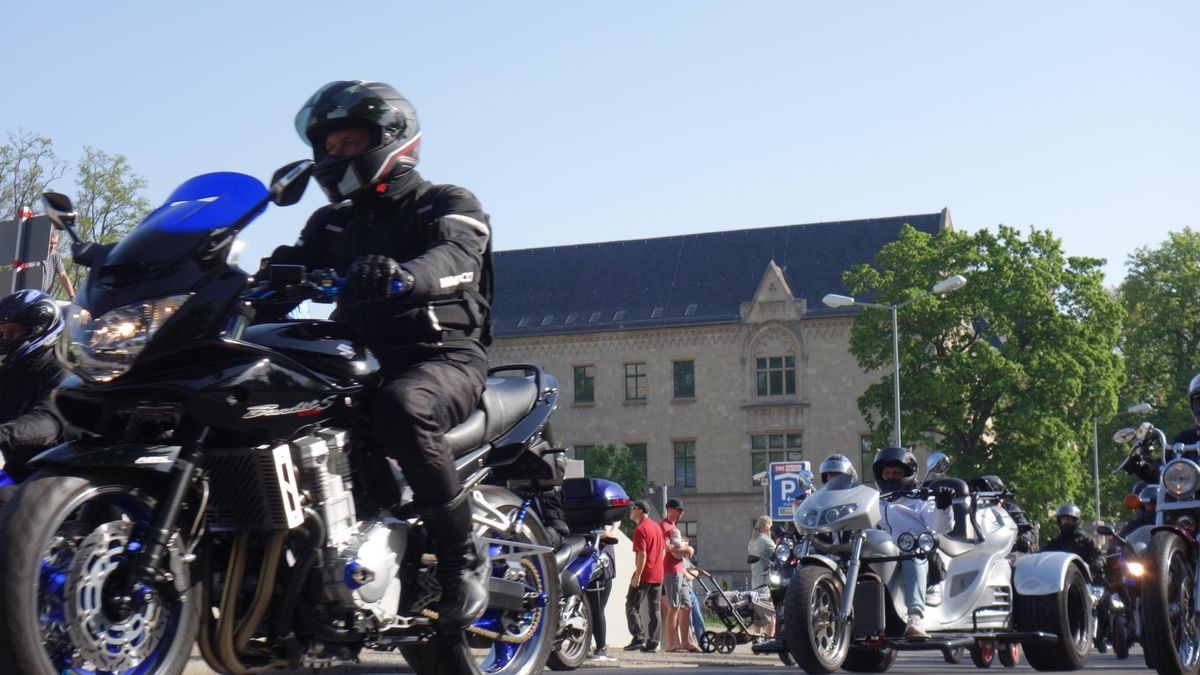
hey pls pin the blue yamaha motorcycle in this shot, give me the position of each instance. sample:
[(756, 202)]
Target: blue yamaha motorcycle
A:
[(229, 496)]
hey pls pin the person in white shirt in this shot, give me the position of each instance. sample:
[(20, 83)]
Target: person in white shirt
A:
[(895, 472)]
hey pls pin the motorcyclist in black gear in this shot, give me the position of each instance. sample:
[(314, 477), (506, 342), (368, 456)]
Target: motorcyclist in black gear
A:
[(30, 322), (1071, 540), (1027, 538), (387, 223), (1148, 468)]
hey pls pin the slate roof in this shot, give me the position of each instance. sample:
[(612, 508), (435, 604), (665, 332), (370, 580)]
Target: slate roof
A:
[(692, 279)]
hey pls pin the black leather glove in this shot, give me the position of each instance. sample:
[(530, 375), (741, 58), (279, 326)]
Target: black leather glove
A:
[(943, 497), (371, 278)]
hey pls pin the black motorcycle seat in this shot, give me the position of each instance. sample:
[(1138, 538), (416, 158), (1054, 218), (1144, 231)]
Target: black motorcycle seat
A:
[(468, 435), (572, 545), (506, 400)]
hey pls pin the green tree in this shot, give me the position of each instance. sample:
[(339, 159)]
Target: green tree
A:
[(109, 201), (27, 166), (1004, 375), (1161, 338)]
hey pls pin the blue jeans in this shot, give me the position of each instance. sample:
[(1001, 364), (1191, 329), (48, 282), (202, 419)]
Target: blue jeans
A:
[(914, 574), (697, 618)]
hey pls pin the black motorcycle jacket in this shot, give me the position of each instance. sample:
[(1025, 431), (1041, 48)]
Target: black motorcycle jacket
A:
[(1081, 545), (29, 422), (440, 235), (1148, 468)]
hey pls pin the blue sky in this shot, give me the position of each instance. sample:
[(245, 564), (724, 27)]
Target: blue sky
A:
[(594, 121)]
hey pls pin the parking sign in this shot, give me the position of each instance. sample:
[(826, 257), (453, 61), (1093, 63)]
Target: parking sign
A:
[(785, 483)]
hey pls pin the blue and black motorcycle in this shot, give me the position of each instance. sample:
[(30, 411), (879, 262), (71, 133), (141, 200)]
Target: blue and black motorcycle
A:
[(228, 495)]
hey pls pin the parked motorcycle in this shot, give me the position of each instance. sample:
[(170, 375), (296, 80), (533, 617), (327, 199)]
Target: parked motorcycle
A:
[(1170, 601), (589, 504), (845, 602), (228, 495)]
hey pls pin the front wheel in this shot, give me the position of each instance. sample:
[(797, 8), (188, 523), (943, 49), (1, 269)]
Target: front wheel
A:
[(1068, 615), (1168, 599), (61, 539), (574, 634), (510, 642), (817, 640), (1120, 637)]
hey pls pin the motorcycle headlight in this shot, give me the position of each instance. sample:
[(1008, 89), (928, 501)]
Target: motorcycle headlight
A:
[(1181, 477), (807, 517), (907, 542), (782, 552), (104, 347), (774, 580), (798, 549), (836, 513), (1135, 568), (926, 541)]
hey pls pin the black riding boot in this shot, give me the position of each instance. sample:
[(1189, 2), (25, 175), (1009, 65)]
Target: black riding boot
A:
[(462, 568)]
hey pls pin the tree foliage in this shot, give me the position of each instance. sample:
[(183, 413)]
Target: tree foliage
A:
[(108, 199), (1161, 338), (1004, 375), (27, 166)]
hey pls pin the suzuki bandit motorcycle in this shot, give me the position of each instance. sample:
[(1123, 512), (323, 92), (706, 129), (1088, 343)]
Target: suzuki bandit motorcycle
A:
[(227, 494), (846, 607)]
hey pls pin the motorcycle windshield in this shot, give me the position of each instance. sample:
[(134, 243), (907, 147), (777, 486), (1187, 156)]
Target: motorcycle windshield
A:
[(208, 202), (841, 482)]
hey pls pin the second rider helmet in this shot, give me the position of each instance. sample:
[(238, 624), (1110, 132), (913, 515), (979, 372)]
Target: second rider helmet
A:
[(836, 464), (395, 135), (39, 314), (899, 457)]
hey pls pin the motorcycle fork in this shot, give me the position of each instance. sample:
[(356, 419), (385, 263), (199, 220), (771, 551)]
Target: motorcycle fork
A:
[(146, 567), (852, 577)]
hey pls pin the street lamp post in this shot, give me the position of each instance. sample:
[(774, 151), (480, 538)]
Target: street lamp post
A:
[(944, 286), (1136, 409)]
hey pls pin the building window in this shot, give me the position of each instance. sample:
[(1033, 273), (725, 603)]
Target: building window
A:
[(767, 448), (635, 381), (685, 379), (585, 384), (866, 456), (638, 452), (690, 529), (775, 375), (581, 453), (685, 464)]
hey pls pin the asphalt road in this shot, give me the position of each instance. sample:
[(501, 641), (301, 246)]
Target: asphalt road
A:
[(740, 662)]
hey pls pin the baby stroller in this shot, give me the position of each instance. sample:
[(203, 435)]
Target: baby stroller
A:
[(745, 615)]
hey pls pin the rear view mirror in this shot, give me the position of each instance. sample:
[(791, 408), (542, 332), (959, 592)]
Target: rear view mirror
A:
[(1123, 436), (1105, 530), (937, 465), (60, 210), (289, 182)]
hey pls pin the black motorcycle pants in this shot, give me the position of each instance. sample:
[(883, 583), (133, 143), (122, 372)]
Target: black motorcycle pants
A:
[(414, 407)]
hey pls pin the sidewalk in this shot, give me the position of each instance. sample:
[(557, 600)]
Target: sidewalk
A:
[(741, 656)]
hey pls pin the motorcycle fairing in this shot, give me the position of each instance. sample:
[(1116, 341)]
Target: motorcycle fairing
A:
[(154, 457)]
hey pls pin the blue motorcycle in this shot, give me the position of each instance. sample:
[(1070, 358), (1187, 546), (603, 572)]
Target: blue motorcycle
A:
[(589, 504)]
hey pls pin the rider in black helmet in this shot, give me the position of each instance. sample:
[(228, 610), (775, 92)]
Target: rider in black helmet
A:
[(30, 323), (1072, 540), (895, 472), (1148, 468), (385, 224), (1027, 537)]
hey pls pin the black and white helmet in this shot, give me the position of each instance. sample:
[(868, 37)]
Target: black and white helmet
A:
[(38, 313), (354, 104), (837, 464)]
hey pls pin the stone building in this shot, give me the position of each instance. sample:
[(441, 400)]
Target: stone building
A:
[(709, 355)]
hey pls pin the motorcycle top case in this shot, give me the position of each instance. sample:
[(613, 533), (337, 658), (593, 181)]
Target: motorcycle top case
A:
[(592, 503)]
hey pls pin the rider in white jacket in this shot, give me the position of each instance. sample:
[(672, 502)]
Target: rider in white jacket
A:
[(896, 470)]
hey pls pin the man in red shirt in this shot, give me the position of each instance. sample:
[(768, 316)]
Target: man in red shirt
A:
[(645, 586), (676, 599)]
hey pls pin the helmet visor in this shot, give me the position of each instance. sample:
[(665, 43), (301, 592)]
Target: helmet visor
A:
[(1196, 405), (347, 103)]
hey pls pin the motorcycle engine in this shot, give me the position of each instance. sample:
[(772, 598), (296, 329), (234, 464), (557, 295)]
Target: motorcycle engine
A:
[(362, 559)]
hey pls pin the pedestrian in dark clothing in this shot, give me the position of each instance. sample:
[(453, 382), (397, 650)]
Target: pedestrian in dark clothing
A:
[(417, 258), (30, 323), (645, 586), (1071, 540), (597, 596)]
